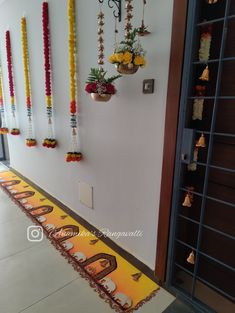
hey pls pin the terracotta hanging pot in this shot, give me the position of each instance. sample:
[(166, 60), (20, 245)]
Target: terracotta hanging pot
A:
[(104, 97), (127, 68)]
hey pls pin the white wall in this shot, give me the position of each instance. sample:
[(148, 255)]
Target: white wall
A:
[(122, 140)]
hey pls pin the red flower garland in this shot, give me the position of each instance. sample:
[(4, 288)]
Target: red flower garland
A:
[(9, 64), (49, 142), (14, 130)]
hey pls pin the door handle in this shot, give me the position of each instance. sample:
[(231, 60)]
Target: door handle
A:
[(188, 145)]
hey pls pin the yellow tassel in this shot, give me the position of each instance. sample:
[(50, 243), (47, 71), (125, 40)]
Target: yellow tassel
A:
[(187, 201), (201, 142), (191, 258), (205, 74)]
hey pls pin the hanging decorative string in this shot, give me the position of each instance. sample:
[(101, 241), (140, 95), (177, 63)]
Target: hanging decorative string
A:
[(100, 87), (15, 130), (128, 19), (50, 141), (74, 155), (204, 51), (3, 128), (143, 29), (30, 141)]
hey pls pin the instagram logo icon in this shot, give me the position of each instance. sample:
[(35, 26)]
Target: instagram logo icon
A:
[(35, 233)]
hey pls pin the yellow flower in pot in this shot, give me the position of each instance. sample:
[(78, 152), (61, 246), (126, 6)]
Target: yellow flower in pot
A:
[(129, 55)]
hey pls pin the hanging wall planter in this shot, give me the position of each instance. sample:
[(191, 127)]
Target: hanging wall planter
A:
[(101, 97), (100, 87), (127, 68), (129, 54)]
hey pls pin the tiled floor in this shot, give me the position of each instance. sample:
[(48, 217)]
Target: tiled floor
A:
[(35, 278)]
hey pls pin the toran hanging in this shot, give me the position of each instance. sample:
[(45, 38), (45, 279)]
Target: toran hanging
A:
[(204, 55), (50, 141), (74, 155), (30, 140), (14, 130), (3, 128), (204, 51)]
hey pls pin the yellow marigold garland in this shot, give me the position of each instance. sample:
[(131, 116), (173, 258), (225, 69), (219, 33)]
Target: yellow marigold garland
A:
[(74, 155), (30, 141)]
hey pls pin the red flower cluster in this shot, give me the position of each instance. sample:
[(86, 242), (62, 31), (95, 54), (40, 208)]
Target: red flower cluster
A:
[(15, 131), (46, 43), (73, 157), (49, 143), (73, 107), (107, 88), (9, 63)]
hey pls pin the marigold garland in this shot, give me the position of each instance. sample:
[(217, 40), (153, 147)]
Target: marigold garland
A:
[(15, 130), (30, 141), (50, 141), (74, 155), (4, 128)]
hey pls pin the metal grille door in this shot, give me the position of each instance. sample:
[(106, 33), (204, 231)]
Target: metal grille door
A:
[(202, 245)]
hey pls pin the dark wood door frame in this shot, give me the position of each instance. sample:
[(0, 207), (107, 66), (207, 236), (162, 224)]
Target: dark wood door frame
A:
[(171, 124)]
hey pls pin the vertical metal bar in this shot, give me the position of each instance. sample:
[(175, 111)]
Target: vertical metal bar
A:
[(211, 141)]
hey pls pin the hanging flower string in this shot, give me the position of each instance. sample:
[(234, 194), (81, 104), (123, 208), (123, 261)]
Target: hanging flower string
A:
[(3, 128), (15, 130), (74, 155), (50, 141), (204, 51), (204, 55), (30, 141), (100, 87)]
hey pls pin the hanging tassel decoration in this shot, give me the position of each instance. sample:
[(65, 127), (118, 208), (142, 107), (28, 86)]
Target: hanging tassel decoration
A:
[(30, 141), (191, 258), (187, 201), (201, 142), (3, 128), (50, 141), (74, 155), (198, 106), (15, 130), (205, 44), (205, 74), (193, 166)]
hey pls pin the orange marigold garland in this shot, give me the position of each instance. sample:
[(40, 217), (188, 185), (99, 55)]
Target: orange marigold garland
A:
[(74, 155), (30, 141), (15, 130), (50, 141), (3, 128)]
